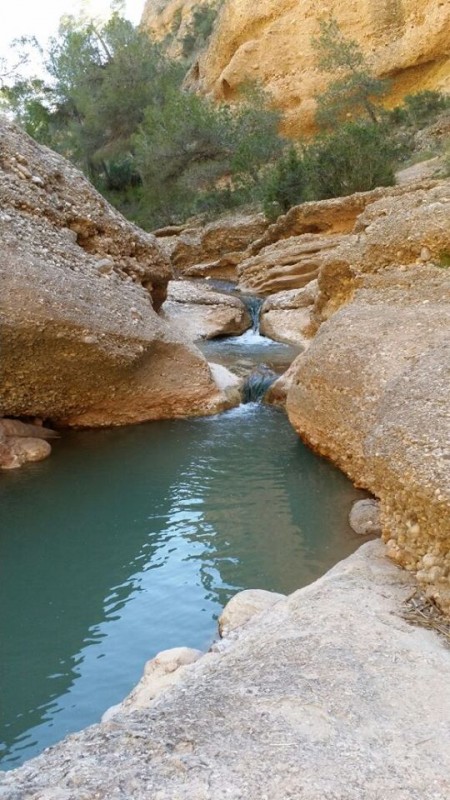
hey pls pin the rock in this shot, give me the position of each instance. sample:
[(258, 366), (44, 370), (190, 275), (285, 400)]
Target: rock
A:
[(81, 347), (229, 384), (162, 672), (371, 392), (277, 393), (364, 517), (328, 694), (272, 40), (212, 250), (16, 451), (201, 313), (244, 606), (13, 427), (286, 316)]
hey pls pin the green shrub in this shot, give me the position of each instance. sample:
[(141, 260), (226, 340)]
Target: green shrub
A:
[(356, 158), (286, 184)]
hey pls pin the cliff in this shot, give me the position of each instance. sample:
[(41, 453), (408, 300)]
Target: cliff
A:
[(81, 340), (271, 42)]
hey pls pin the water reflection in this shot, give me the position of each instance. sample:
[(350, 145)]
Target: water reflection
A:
[(130, 541)]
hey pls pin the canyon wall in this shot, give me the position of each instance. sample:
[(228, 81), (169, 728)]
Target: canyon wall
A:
[(272, 42)]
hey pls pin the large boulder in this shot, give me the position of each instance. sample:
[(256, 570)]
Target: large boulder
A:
[(82, 343), (201, 313), (371, 392), (329, 693), (286, 316)]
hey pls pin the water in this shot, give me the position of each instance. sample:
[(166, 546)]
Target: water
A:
[(129, 541)]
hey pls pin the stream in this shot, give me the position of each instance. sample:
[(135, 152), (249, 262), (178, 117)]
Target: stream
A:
[(130, 541)]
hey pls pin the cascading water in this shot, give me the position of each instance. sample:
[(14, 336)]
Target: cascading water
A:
[(257, 383), (253, 305)]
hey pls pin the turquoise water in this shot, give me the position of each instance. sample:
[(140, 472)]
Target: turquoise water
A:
[(126, 542)]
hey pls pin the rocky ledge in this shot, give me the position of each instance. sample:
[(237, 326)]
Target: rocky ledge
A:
[(328, 693)]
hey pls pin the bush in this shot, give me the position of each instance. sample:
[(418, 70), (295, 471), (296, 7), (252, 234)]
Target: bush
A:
[(356, 158), (286, 184)]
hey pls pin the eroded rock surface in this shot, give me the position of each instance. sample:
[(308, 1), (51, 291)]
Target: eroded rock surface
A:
[(329, 693), (371, 393), (272, 42), (81, 342), (21, 443), (212, 250), (201, 313)]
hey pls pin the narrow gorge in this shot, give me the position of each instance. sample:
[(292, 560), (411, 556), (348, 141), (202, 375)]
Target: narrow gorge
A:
[(189, 421)]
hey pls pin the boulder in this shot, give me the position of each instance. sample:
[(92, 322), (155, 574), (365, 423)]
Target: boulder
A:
[(244, 606), (286, 316), (82, 343), (371, 394), (201, 313), (364, 517)]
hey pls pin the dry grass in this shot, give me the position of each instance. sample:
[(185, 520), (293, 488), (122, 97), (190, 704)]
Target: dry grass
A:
[(420, 610)]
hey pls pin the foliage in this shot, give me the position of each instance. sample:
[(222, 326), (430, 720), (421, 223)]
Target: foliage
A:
[(353, 92), (420, 109), (286, 184), (201, 164), (356, 158)]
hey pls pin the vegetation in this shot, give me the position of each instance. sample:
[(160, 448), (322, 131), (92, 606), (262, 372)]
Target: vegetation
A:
[(114, 104), (200, 29)]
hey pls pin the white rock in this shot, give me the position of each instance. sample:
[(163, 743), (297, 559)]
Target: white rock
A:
[(245, 605), (364, 517)]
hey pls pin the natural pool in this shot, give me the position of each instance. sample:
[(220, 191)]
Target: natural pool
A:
[(130, 541)]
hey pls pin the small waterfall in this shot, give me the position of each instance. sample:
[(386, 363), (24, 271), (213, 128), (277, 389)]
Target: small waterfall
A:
[(253, 305), (257, 383)]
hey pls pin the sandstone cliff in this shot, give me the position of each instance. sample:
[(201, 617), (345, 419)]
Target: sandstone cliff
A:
[(81, 341), (327, 694), (271, 41)]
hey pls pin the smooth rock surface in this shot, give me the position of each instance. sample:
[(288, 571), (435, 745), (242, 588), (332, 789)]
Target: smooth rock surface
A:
[(82, 343), (328, 694), (244, 606), (286, 316), (198, 312)]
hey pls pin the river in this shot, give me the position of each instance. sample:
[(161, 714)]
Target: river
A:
[(130, 541)]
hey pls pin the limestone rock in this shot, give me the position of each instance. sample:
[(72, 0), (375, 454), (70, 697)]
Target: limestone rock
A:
[(364, 517), (244, 606), (278, 392), (212, 250), (162, 672), (328, 694), (229, 384), (201, 313), (81, 342), (371, 394), (271, 41), (286, 316)]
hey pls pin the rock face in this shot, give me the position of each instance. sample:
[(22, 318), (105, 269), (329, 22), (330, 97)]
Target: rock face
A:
[(211, 250), (301, 702), (271, 42), (371, 392), (81, 342), (200, 313)]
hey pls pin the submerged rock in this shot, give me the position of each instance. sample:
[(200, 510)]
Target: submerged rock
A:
[(328, 693)]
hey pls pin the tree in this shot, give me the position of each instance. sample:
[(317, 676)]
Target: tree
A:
[(355, 88)]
